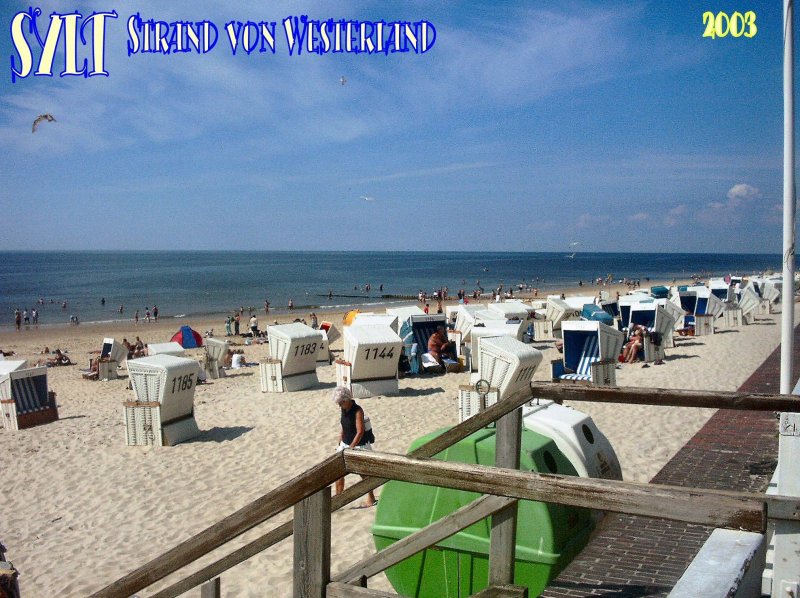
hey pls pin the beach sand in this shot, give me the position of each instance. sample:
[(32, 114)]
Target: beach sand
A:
[(80, 508)]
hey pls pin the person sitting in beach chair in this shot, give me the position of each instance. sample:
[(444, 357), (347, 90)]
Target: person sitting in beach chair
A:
[(439, 347), (630, 353)]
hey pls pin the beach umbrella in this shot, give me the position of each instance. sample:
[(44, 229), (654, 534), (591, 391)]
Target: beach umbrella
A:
[(188, 338)]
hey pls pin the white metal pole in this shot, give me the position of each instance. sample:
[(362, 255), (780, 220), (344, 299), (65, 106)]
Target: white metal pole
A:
[(787, 305), (786, 540)]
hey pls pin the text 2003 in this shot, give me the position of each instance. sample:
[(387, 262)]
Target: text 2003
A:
[(735, 25)]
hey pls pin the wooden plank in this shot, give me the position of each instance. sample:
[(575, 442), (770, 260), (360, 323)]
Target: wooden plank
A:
[(312, 545), (211, 589), (344, 590), (258, 511), (420, 540), (666, 398), (503, 591), (503, 538), (708, 507)]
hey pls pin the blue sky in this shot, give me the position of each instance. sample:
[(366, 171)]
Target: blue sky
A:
[(528, 125)]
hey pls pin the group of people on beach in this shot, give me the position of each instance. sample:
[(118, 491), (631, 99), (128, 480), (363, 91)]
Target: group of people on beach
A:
[(25, 317)]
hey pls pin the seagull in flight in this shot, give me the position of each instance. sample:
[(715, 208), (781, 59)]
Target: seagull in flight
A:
[(41, 118), (366, 198), (342, 80)]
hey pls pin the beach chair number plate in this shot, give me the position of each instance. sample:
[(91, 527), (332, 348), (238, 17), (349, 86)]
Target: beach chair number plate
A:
[(308, 349), (384, 354), (180, 383)]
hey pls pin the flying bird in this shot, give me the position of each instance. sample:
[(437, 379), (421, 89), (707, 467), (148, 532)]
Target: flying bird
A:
[(342, 80), (41, 118), (366, 198)]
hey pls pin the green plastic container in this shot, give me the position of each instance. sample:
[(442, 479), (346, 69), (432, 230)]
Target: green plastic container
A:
[(548, 535)]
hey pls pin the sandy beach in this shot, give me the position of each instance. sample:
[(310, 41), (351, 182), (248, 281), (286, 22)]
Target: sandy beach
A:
[(80, 508)]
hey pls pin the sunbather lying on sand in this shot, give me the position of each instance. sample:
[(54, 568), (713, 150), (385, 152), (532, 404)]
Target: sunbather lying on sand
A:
[(59, 359)]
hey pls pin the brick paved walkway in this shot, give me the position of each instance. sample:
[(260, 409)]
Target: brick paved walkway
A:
[(633, 556)]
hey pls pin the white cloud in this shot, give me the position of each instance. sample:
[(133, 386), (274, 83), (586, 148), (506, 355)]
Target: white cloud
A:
[(674, 215), (639, 217), (727, 212), (587, 220), (742, 192)]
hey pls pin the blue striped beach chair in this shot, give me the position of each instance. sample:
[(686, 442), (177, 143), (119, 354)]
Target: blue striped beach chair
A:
[(25, 399), (590, 353)]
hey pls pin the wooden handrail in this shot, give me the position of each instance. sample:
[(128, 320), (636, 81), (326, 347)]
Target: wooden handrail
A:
[(252, 514), (737, 510), (283, 531), (666, 398), (732, 509)]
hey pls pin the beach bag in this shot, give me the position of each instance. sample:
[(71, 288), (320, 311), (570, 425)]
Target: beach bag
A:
[(369, 436)]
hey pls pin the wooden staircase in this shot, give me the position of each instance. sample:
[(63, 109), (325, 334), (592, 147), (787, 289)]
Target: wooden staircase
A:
[(502, 486)]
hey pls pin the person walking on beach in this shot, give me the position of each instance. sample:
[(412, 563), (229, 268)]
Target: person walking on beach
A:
[(254, 325), (355, 433), (135, 317), (35, 316), (266, 306), (236, 319), (228, 321), (147, 315), (17, 319), (314, 321), (155, 313)]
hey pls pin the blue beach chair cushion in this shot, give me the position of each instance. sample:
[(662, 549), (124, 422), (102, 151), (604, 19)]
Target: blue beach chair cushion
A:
[(589, 355)]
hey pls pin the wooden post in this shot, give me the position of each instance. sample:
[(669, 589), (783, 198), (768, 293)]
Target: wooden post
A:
[(503, 541), (211, 589), (312, 545)]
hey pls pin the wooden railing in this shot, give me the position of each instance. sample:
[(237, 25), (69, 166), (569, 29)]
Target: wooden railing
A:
[(309, 494)]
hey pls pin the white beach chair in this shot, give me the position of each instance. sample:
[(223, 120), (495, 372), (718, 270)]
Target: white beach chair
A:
[(403, 313), (24, 397), (470, 401), (324, 350), (624, 305), (507, 364), (215, 352), (292, 366), (511, 309), (559, 311), (677, 320), (465, 319), (492, 328), (170, 348), (721, 289), (749, 303), (590, 353), (112, 354), (659, 324), (369, 364), (367, 319), (330, 331), (163, 412)]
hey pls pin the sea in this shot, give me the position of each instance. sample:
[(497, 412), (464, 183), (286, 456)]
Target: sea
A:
[(185, 284)]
